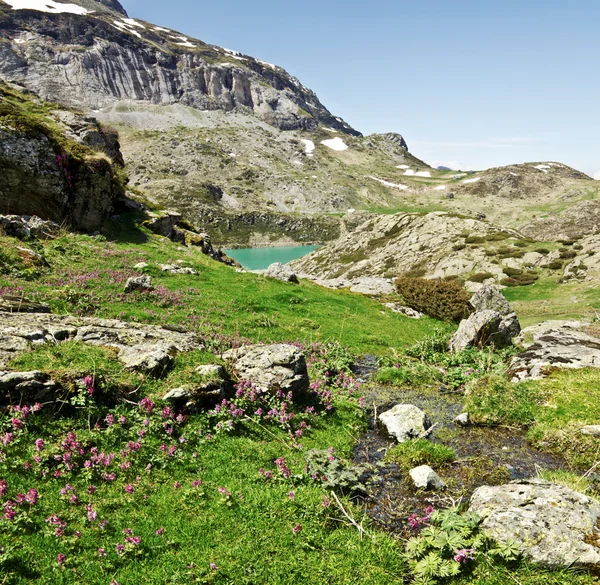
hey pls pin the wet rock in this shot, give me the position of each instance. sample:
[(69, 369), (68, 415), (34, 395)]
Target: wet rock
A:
[(564, 345), (139, 283), (271, 367), (463, 419), (175, 269), (25, 387), (21, 305), (591, 430), (552, 525), (281, 272), (404, 422), (480, 329), (424, 477)]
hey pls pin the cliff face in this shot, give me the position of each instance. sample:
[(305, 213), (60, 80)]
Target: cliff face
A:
[(99, 57), (58, 168)]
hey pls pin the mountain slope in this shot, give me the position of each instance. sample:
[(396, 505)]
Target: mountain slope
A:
[(90, 53)]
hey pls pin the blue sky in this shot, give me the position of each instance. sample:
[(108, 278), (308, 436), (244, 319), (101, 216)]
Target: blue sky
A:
[(473, 82)]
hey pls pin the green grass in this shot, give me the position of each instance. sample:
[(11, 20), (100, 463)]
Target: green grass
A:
[(218, 301), (420, 452)]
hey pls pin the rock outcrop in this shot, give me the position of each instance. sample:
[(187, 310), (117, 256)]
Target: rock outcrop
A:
[(25, 387), (493, 323), (404, 422), (271, 367), (552, 525), (95, 56), (46, 172), (556, 345), (215, 383), (281, 272), (148, 348)]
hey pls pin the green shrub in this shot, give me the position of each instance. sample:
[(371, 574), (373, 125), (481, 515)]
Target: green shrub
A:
[(480, 277), (474, 240), (459, 247), (415, 272), (441, 299), (412, 374), (567, 254), (555, 265), (543, 251), (420, 452), (497, 237), (495, 400), (521, 244), (512, 272)]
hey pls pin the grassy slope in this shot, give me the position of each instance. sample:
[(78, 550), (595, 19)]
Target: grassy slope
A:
[(250, 538)]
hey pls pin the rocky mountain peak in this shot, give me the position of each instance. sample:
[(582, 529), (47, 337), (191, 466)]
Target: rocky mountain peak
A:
[(90, 54)]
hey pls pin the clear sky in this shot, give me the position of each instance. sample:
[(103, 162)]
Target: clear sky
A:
[(478, 83)]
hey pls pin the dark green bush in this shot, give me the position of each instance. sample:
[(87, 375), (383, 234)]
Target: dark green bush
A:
[(555, 265), (441, 299), (497, 237), (459, 247), (512, 272), (480, 277), (567, 254), (543, 251), (474, 240)]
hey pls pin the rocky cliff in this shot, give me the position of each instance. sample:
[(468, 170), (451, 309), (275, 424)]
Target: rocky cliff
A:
[(90, 53), (60, 166)]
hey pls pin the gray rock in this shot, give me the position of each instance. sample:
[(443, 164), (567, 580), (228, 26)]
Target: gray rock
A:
[(25, 387), (424, 477), (549, 523), (372, 286), (271, 367), (215, 383), (175, 269), (407, 311), (479, 330), (281, 272), (463, 419), (156, 360), (559, 345), (404, 422), (139, 283), (21, 305), (141, 266), (591, 430), (164, 225), (489, 298)]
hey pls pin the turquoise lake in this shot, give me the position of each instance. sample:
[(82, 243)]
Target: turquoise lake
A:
[(262, 258)]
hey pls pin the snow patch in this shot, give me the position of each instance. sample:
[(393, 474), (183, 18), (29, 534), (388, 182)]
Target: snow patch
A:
[(46, 6), (409, 173), (335, 144), (132, 22), (297, 163), (161, 29), (403, 167), (274, 67), (185, 42), (123, 27), (330, 129), (544, 168), (231, 52), (440, 188), (469, 181), (388, 184), (514, 174), (459, 176), (309, 146), (20, 41)]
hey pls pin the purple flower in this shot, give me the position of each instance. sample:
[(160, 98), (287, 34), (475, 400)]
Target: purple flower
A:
[(32, 497), (213, 567), (88, 382), (160, 531), (176, 485), (3, 487), (39, 445), (291, 496), (297, 528), (120, 548), (135, 540), (129, 488), (60, 559), (464, 555), (101, 552)]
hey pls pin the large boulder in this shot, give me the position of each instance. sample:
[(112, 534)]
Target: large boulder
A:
[(552, 525), (141, 283), (493, 323), (271, 367), (282, 272), (404, 422), (372, 286), (556, 344), (489, 298), (480, 329)]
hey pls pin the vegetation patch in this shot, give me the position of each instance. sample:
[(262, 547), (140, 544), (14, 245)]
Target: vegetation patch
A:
[(417, 452), (441, 299)]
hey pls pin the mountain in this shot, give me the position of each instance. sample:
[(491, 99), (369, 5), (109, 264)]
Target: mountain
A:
[(90, 53)]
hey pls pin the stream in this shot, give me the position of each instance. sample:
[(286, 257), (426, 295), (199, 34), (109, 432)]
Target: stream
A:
[(484, 455)]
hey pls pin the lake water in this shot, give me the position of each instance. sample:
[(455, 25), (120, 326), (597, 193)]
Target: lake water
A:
[(262, 258)]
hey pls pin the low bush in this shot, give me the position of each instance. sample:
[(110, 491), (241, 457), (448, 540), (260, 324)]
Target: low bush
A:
[(543, 251), (480, 277), (567, 254), (459, 247), (441, 299), (555, 265), (420, 452), (475, 240)]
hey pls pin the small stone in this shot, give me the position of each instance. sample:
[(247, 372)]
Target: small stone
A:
[(139, 283), (424, 477), (592, 430), (141, 266), (463, 419), (404, 422)]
